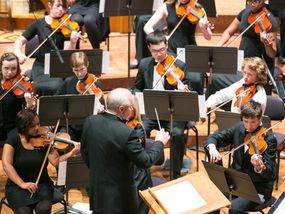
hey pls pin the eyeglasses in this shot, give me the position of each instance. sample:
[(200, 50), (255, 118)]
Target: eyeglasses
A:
[(161, 50), (253, 1)]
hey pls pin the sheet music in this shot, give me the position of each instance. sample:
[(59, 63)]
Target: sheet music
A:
[(47, 64), (182, 55), (139, 96), (105, 62), (101, 6), (280, 209), (202, 106), (61, 174), (179, 198), (240, 59)]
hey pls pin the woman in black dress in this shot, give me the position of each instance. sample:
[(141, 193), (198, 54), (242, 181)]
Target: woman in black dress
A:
[(22, 162), (10, 104)]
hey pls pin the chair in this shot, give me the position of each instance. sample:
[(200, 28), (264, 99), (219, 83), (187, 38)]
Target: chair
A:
[(58, 197), (276, 111), (191, 125), (268, 203)]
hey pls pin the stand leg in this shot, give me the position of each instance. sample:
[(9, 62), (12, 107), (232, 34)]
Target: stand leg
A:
[(171, 147)]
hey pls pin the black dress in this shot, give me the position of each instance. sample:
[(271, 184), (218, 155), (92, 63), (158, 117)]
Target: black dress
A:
[(27, 164), (10, 105)]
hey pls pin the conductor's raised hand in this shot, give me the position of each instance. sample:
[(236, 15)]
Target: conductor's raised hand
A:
[(162, 136)]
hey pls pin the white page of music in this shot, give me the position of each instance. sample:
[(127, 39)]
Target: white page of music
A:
[(180, 198)]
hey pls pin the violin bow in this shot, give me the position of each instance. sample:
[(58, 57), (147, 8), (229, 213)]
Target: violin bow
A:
[(157, 118), (47, 153), (266, 130), (10, 89), (256, 20)]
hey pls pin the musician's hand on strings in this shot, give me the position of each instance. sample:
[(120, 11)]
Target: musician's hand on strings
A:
[(162, 136), (255, 161), (182, 87), (30, 186), (22, 58), (75, 36), (204, 23), (215, 156), (31, 100), (76, 149)]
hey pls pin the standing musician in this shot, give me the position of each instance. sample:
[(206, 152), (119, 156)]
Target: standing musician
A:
[(148, 78), (254, 78), (110, 153), (253, 43), (261, 168), (12, 102), (184, 34), (43, 83), (22, 162), (86, 12), (79, 63)]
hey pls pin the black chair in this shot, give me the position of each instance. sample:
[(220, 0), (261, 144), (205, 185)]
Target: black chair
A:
[(276, 111), (58, 197)]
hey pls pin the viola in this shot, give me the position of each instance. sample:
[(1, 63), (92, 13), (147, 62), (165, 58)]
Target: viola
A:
[(133, 123), (168, 68), (19, 84), (87, 86), (262, 24), (242, 100), (67, 27), (62, 141), (256, 144)]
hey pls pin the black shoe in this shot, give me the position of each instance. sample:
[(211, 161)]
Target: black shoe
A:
[(134, 66)]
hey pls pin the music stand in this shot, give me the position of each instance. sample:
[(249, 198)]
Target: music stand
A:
[(57, 69), (237, 183), (172, 106), (75, 175), (128, 8), (227, 119), (70, 109), (276, 5), (203, 59)]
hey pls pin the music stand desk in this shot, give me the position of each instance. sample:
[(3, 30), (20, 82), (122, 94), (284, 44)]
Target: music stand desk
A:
[(214, 198)]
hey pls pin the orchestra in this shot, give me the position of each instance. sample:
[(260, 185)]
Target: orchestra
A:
[(114, 142)]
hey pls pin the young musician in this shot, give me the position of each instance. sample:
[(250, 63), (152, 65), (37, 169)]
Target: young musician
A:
[(260, 168), (42, 28), (10, 104), (183, 35), (110, 149), (22, 163), (148, 78), (254, 78), (79, 63)]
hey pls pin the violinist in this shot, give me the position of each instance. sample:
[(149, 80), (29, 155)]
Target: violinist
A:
[(11, 104), (18, 157), (184, 34), (45, 85), (253, 44), (86, 12), (79, 63), (148, 78), (261, 168), (249, 87)]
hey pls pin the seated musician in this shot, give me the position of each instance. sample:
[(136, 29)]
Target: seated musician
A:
[(261, 168), (249, 87), (148, 78), (15, 100), (79, 84), (42, 28), (22, 162)]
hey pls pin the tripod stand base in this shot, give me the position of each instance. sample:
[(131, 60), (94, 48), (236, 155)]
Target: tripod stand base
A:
[(69, 210)]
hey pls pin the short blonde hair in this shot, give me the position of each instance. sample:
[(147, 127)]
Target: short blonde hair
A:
[(78, 58)]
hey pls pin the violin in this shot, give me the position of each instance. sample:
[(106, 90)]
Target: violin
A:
[(256, 144), (242, 100), (65, 28), (62, 141), (133, 123), (19, 84), (87, 86), (168, 68), (262, 24)]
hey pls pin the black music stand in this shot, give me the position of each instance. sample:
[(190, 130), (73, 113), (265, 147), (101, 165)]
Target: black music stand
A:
[(203, 59), (76, 176), (227, 119), (128, 8), (57, 69), (276, 5), (70, 109), (231, 181), (210, 7), (172, 106)]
